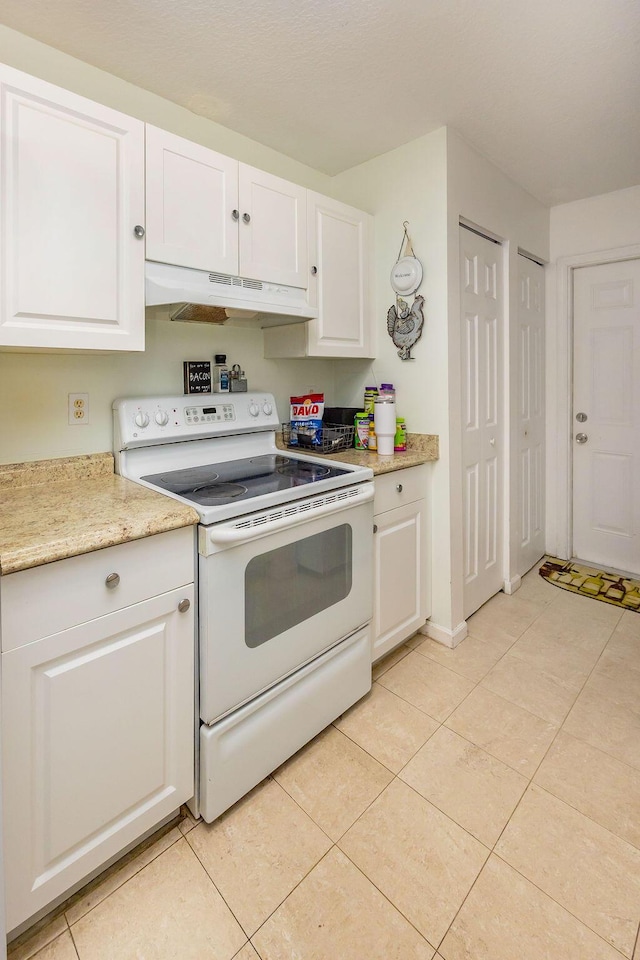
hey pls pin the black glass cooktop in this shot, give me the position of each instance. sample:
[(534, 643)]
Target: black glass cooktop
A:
[(217, 484)]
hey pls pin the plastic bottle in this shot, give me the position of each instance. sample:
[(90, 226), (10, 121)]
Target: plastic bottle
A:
[(221, 374), (373, 440), (370, 394), (387, 390), (361, 432), (400, 439)]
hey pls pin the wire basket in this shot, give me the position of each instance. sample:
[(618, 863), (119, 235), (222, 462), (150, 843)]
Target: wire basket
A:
[(333, 437)]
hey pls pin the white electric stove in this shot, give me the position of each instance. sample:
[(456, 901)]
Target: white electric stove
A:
[(284, 570)]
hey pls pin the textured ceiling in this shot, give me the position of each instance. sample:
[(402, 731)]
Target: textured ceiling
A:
[(547, 89)]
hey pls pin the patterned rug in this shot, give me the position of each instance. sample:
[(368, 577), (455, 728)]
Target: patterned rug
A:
[(592, 582)]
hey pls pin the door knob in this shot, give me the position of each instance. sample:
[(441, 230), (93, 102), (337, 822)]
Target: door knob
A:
[(139, 231), (581, 438), (581, 417)]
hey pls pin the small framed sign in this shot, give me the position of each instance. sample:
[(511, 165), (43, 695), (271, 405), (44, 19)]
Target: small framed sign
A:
[(197, 376)]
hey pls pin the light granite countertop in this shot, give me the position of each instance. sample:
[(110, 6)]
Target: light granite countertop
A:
[(421, 448), (54, 509)]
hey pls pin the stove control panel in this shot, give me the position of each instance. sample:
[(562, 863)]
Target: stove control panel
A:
[(210, 414), (148, 421)]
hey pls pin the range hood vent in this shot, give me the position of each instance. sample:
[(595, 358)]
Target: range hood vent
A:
[(270, 304)]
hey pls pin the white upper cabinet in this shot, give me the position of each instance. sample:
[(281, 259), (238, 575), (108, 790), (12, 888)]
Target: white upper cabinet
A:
[(71, 198), (192, 204), (340, 242), (209, 212), (273, 228)]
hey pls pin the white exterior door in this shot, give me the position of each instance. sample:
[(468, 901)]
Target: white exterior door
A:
[(192, 204), (339, 256), (72, 182), (272, 229), (482, 417), (606, 415), (528, 511)]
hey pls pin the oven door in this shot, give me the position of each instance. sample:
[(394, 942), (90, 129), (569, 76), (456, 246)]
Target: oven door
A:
[(279, 587)]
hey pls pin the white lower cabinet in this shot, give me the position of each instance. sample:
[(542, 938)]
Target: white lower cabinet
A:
[(400, 565), (98, 730)]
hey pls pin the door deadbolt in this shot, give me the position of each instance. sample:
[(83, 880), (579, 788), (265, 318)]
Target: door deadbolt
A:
[(581, 417), (581, 438)]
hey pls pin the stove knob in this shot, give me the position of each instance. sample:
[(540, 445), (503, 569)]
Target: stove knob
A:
[(162, 418), (267, 409), (254, 409), (142, 419)]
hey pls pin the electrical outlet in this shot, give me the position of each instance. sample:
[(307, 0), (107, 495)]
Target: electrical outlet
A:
[(78, 408)]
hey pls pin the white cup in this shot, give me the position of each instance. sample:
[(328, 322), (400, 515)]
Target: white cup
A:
[(384, 421)]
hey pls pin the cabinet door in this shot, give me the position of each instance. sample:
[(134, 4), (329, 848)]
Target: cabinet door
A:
[(192, 204), (72, 191), (98, 741), (400, 570), (273, 228), (339, 261)]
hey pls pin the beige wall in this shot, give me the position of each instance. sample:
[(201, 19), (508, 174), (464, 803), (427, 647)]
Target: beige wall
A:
[(45, 62), (34, 387), (410, 183)]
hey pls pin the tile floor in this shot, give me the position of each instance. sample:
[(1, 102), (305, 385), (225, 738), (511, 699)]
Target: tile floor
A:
[(480, 803)]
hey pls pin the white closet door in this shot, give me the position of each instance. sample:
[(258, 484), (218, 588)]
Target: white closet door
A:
[(482, 417), (529, 410), (606, 465)]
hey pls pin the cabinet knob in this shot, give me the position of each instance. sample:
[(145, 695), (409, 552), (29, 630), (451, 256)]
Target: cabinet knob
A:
[(139, 232), (184, 605), (112, 580), (314, 271), (399, 487), (246, 217), (235, 214), (375, 528)]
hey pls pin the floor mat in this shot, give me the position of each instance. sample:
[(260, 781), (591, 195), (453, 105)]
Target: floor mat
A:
[(592, 582)]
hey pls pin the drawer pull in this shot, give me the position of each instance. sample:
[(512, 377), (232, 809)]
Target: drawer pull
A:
[(112, 580), (399, 487), (184, 605)]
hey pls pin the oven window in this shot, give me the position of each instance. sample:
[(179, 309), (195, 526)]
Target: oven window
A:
[(287, 586)]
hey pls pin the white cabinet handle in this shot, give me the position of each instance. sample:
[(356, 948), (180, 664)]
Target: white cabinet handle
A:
[(112, 580)]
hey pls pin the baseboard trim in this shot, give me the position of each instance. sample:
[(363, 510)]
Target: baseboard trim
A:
[(510, 586), (444, 635)]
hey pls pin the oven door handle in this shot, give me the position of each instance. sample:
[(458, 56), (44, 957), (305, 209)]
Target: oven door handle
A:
[(252, 528)]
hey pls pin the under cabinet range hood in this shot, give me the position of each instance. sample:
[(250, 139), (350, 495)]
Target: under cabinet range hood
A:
[(270, 304)]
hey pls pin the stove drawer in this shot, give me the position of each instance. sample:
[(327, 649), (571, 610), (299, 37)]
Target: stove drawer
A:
[(44, 600)]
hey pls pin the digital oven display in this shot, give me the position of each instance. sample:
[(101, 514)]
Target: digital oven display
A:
[(206, 410)]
